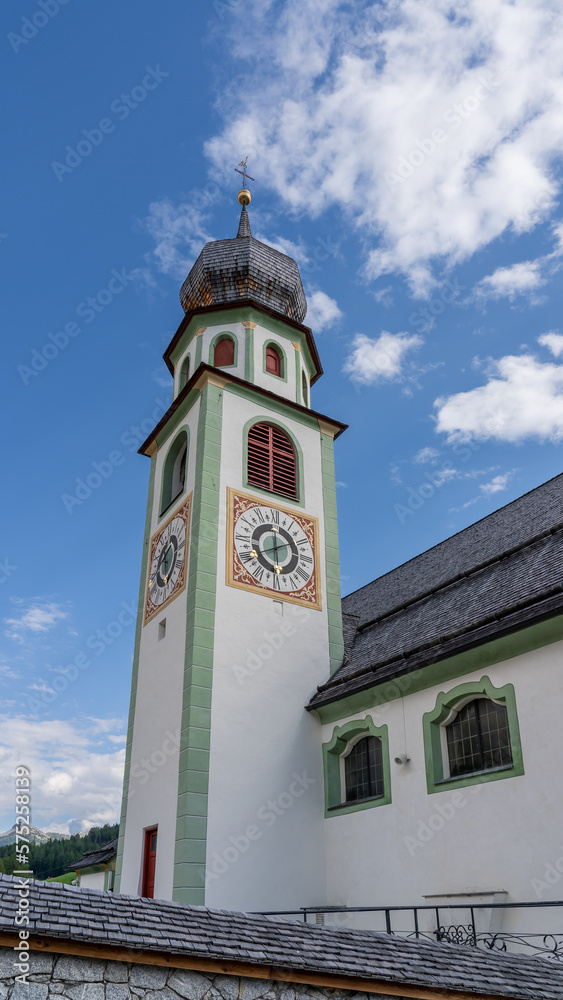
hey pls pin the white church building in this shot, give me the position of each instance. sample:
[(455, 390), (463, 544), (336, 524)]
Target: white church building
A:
[(288, 748)]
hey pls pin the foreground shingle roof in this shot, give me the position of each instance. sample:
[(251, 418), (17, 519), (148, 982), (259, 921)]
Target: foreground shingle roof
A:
[(493, 578), (94, 917), (98, 857)]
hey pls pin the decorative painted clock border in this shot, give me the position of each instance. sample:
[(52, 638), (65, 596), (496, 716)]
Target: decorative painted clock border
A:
[(183, 512), (236, 574)]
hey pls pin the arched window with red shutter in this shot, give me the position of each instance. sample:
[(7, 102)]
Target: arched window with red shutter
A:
[(273, 361), (272, 463), (224, 353)]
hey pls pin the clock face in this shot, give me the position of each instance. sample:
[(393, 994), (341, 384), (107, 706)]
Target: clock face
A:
[(272, 550), (167, 561)]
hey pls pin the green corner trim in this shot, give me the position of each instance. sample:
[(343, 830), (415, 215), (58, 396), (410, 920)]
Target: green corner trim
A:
[(283, 360), (198, 351), (249, 354), (138, 631), (432, 725), (449, 669), (224, 335), (300, 502), (189, 878), (332, 554), (332, 754)]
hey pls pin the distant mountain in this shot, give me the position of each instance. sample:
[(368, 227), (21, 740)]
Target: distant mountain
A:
[(35, 836)]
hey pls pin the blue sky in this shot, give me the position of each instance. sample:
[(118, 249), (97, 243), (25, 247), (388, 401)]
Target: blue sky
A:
[(407, 154)]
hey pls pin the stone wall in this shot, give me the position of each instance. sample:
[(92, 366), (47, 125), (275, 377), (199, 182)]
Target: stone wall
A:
[(68, 977)]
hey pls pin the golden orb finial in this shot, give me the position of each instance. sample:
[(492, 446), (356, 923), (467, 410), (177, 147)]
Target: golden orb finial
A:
[(244, 196)]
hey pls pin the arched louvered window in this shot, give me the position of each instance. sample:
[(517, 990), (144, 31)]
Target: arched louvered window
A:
[(305, 388), (271, 460), (363, 770), (174, 473), (478, 738), (224, 353), (186, 371), (273, 361)]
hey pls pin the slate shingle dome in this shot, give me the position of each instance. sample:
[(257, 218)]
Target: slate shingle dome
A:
[(241, 269)]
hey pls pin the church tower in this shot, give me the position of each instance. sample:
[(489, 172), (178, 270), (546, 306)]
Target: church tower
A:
[(239, 613)]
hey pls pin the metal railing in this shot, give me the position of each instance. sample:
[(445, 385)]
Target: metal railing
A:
[(478, 925)]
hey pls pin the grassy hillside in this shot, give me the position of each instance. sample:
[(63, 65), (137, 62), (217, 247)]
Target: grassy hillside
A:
[(52, 858)]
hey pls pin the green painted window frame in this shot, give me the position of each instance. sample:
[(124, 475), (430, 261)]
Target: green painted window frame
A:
[(174, 450), (216, 338), (435, 751), (283, 359), (299, 501), (305, 388), (332, 757), (187, 361)]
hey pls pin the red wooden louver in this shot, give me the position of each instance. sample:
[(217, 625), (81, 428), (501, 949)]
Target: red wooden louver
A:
[(271, 460), (273, 361), (224, 353)]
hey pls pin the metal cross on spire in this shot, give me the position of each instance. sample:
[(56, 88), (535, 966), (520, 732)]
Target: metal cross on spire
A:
[(245, 175)]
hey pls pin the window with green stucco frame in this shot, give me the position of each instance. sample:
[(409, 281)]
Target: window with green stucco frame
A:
[(333, 755), (434, 728)]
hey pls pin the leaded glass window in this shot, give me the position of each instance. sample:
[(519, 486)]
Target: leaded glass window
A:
[(363, 770), (478, 738)]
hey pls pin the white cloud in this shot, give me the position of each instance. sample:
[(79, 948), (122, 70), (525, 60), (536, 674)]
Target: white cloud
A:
[(373, 361), (497, 484), (428, 124), (37, 619), (508, 282), (426, 455), (322, 311), (287, 247), (179, 231), (72, 782), (522, 399), (552, 340)]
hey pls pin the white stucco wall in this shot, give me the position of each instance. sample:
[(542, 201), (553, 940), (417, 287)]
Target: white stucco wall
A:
[(498, 836), (261, 735), (93, 880), (153, 782), (285, 387)]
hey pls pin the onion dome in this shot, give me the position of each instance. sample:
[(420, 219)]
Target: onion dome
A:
[(243, 268)]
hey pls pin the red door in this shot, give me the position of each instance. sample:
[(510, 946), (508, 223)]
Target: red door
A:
[(149, 862)]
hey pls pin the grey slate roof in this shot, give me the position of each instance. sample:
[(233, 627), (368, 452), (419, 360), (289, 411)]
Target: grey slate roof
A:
[(244, 268), (95, 917), (494, 577), (98, 857)]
